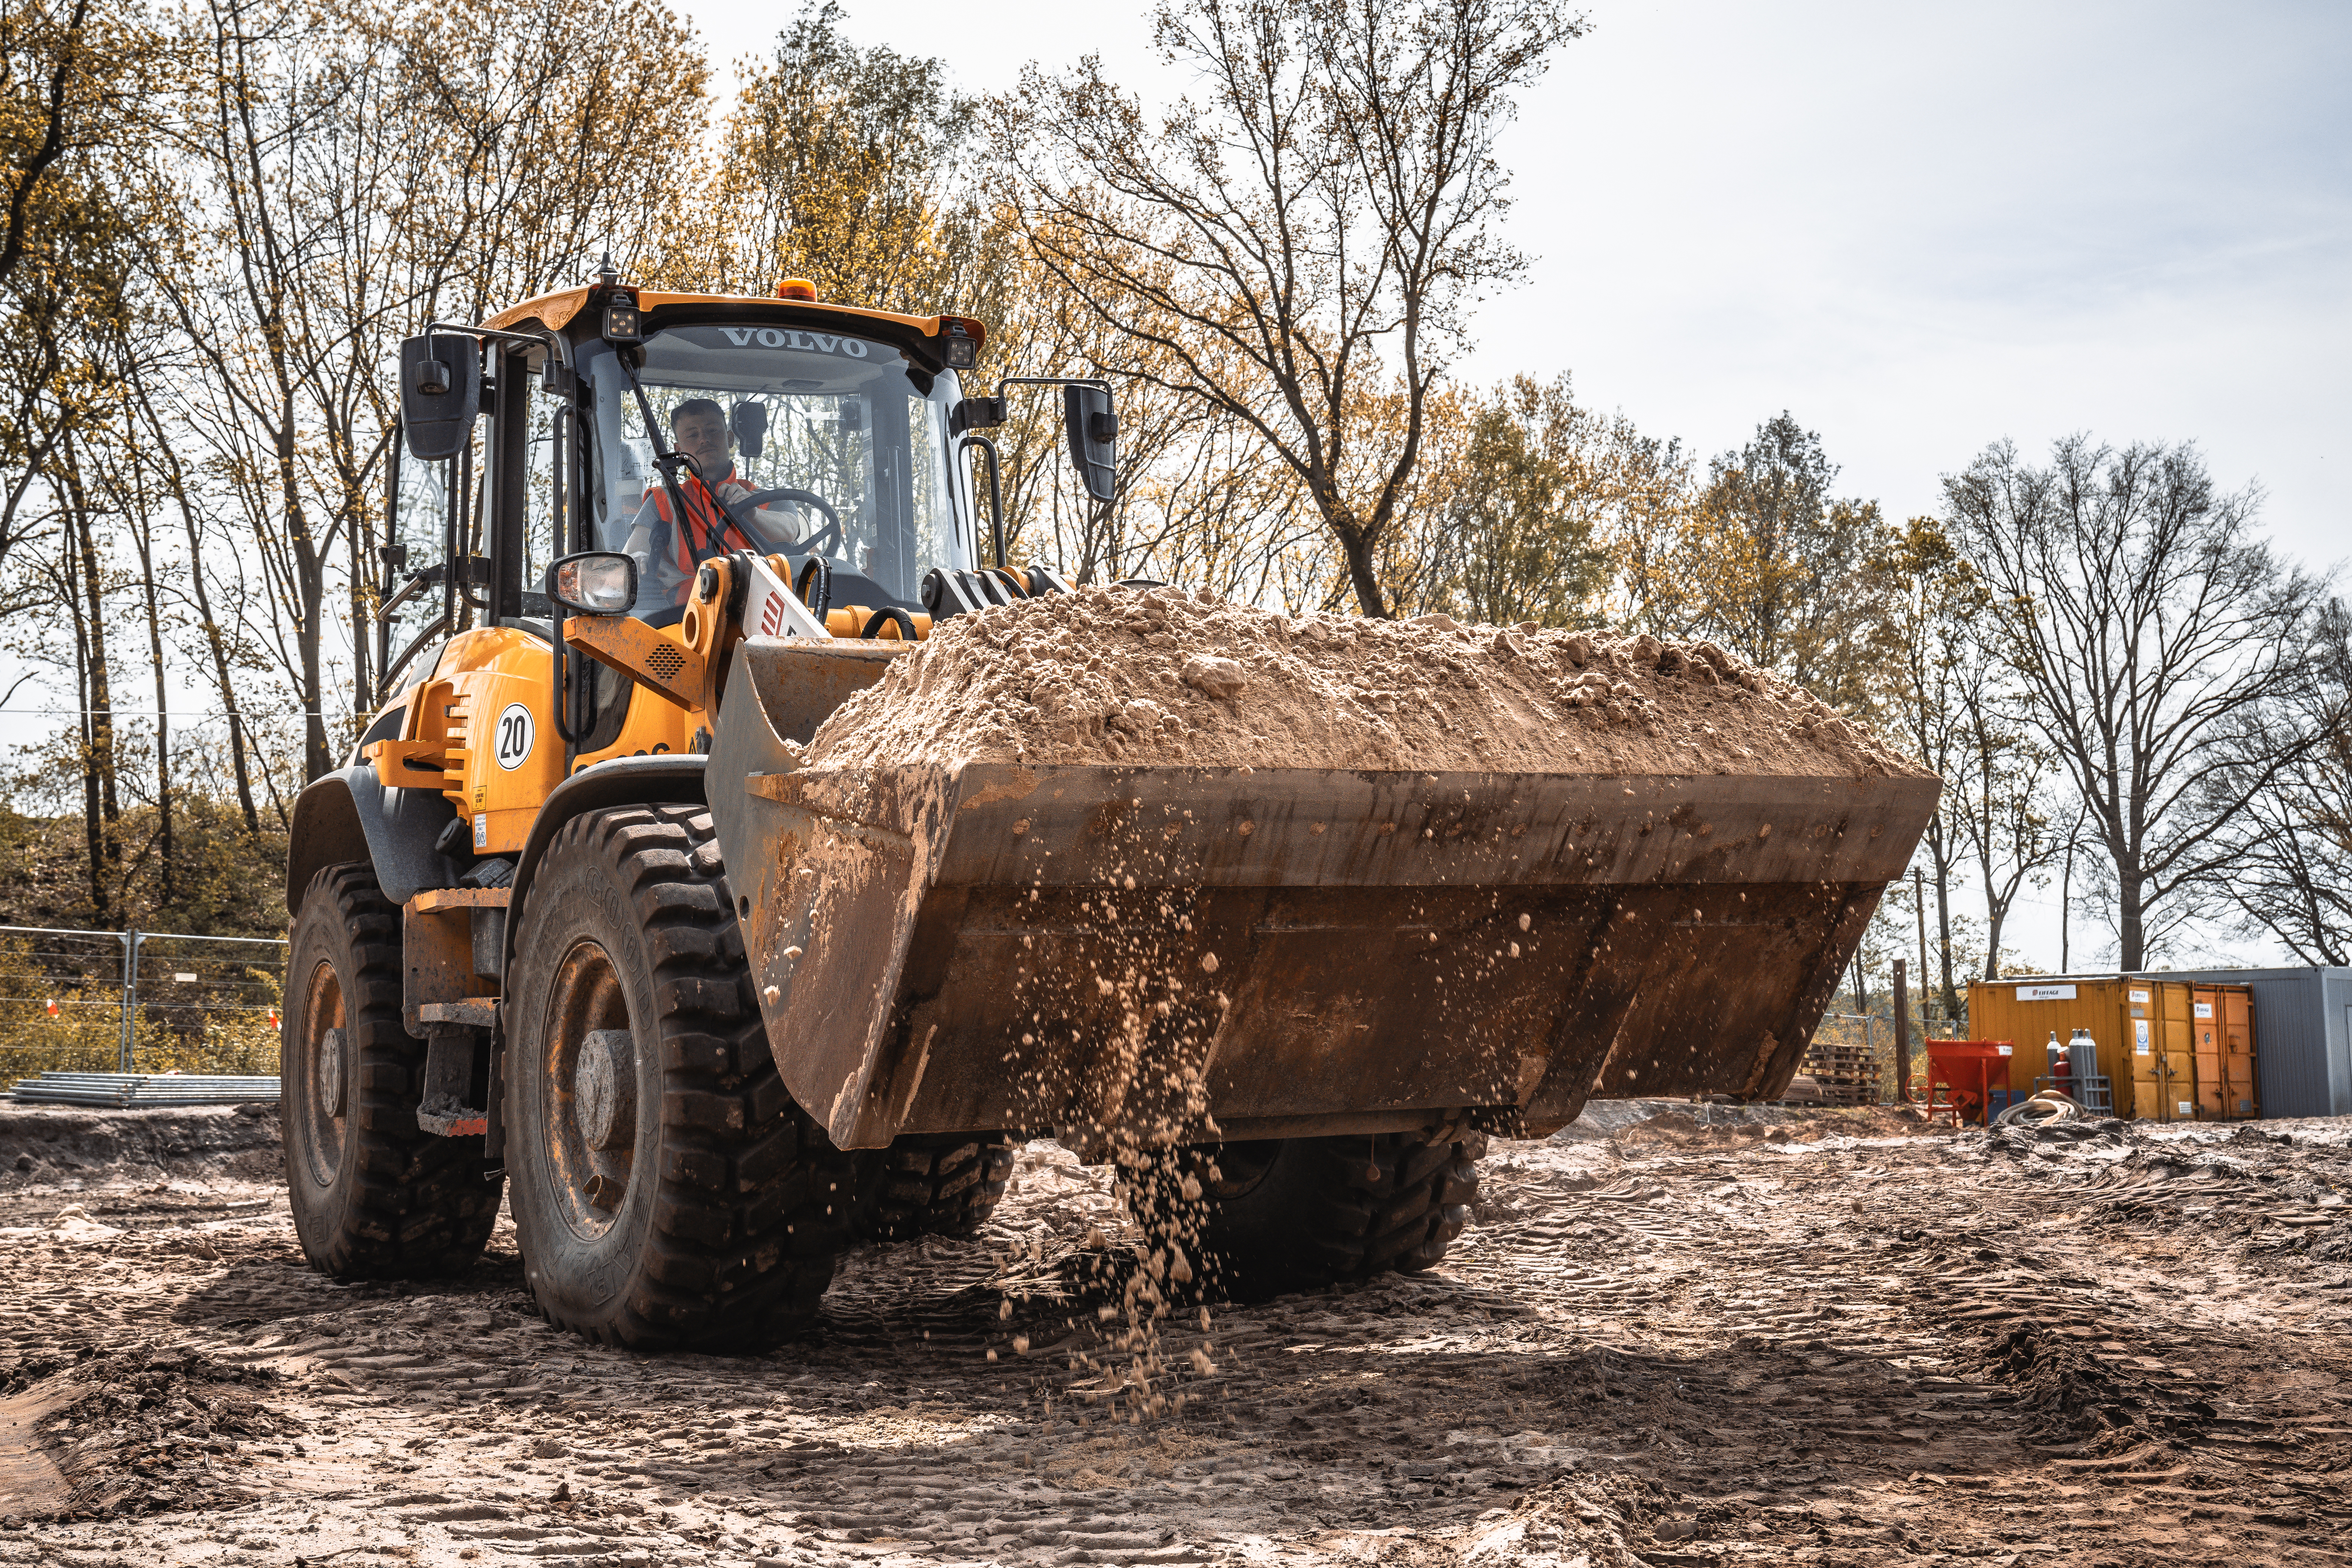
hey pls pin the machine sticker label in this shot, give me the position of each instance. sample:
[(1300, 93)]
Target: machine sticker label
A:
[(2204, 1009), (2142, 996), (481, 832), (515, 735), (2139, 1036), (2185, 1108), (771, 608), (2046, 993)]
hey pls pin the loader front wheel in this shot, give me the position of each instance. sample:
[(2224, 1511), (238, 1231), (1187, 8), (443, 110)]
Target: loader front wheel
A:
[(375, 1196), (932, 1183), (667, 1192), (1295, 1214)]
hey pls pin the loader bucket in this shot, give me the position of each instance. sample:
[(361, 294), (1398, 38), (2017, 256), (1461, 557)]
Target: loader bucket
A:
[(1115, 952)]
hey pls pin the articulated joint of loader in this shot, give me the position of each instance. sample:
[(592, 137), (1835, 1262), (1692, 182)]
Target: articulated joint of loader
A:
[(453, 957)]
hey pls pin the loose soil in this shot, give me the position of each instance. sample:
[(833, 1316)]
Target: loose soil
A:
[(1672, 1335), (1163, 678)]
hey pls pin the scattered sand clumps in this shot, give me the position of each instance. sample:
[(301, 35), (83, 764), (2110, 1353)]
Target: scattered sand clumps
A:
[(1161, 677)]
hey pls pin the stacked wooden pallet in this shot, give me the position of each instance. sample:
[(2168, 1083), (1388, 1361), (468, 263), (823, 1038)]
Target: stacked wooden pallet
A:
[(1849, 1075)]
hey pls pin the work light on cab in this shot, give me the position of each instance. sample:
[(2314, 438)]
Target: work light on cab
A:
[(960, 342)]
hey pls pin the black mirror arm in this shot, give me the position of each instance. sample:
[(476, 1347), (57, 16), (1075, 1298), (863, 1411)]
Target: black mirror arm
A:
[(541, 340), (995, 494)]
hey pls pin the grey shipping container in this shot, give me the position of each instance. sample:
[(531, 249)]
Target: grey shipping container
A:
[(2303, 1035)]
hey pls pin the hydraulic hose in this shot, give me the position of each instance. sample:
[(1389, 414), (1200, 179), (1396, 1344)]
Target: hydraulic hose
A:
[(815, 586)]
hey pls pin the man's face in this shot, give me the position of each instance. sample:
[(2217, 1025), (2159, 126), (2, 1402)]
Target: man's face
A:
[(703, 438)]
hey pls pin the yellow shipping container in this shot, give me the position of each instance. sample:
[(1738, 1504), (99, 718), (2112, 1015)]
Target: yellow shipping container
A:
[(2144, 1031)]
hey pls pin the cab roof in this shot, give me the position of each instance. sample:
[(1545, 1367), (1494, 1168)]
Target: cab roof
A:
[(554, 311)]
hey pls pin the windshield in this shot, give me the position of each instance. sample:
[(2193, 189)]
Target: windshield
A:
[(809, 443)]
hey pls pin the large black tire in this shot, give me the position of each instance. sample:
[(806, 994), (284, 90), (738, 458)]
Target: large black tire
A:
[(1297, 1213), (375, 1196), (667, 1192), (932, 1183)]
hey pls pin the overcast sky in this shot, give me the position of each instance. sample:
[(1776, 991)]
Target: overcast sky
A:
[(1918, 228)]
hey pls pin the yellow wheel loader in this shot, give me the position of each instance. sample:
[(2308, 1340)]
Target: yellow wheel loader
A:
[(577, 918)]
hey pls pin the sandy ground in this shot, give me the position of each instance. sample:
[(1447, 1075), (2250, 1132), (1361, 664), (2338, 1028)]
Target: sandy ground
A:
[(1704, 1337)]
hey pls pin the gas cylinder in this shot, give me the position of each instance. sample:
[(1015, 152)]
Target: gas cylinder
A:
[(2061, 1074), (2083, 1054)]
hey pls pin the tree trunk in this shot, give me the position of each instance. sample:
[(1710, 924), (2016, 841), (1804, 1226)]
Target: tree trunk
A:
[(102, 805), (1944, 935), (143, 537), (2131, 932), (1356, 544), (310, 588)]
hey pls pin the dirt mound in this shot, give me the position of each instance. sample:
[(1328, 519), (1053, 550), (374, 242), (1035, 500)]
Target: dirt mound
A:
[(53, 1144), (2077, 1394), (1161, 678), (97, 1434), (1606, 1521)]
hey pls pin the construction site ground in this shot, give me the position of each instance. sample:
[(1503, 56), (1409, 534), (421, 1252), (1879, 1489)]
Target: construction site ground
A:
[(1672, 1335)]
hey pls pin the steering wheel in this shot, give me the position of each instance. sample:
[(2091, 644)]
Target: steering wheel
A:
[(809, 545)]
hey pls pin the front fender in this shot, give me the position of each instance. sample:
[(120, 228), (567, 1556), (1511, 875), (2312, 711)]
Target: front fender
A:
[(670, 779), (348, 816)]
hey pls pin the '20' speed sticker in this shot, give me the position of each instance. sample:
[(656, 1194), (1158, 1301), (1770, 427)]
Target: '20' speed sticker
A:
[(514, 736)]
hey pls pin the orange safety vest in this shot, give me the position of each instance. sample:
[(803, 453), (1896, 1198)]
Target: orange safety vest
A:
[(707, 528)]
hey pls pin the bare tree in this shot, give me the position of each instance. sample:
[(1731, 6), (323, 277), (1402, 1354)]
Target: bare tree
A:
[(1929, 593), (2291, 873), (1997, 795), (1305, 236), (2150, 629)]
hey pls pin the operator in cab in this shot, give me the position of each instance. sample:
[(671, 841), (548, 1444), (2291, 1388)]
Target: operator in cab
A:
[(668, 556)]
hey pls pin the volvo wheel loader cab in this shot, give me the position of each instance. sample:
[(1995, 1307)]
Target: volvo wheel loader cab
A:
[(579, 915)]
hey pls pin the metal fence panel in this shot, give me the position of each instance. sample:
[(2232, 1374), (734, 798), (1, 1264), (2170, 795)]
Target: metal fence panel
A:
[(137, 1002)]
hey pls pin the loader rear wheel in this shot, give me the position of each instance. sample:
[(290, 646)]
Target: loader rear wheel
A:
[(667, 1192), (932, 1183), (1298, 1213), (375, 1196)]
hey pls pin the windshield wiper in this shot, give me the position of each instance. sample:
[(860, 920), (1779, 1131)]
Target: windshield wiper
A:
[(669, 461)]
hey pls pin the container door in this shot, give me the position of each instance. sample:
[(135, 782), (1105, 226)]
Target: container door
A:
[(2212, 1076), (2139, 1078), (2238, 1053), (2176, 1045)]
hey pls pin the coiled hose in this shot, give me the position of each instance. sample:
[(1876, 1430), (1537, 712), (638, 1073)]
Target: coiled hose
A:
[(2046, 1108)]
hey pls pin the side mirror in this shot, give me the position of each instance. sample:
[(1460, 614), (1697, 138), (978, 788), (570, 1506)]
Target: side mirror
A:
[(1093, 430), (750, 421), (440, 394), (593, 582)]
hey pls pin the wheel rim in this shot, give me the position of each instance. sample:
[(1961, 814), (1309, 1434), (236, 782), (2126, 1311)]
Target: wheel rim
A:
[(327, 1073), (590, 1184)]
